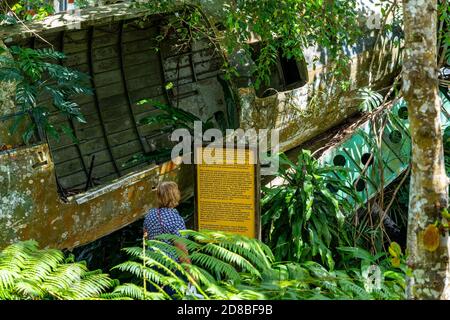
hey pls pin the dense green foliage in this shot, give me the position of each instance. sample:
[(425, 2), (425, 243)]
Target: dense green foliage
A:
[(217, 258), (444, 33), (42, 85), (304, 218), (284, 27), (25, 10), (171, 118), (29, 273), (226, 266)]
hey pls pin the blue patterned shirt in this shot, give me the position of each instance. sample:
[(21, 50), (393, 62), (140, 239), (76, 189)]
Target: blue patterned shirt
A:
[(170, 222)]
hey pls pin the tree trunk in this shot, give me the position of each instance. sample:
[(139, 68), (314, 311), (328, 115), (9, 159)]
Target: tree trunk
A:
[(428, 246)]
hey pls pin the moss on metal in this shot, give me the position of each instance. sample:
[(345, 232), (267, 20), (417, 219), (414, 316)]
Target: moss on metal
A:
[(30, 207)]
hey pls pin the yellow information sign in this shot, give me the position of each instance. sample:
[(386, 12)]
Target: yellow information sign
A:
[(227, 197)]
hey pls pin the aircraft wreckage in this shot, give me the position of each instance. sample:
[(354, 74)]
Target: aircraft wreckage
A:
[(58, 193)]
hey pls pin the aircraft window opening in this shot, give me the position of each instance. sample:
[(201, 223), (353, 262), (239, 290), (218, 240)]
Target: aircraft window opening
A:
[(339, 160), (286, 74), (403, 113), (360, 185), (395, 136), (291, 73), (365, 158)]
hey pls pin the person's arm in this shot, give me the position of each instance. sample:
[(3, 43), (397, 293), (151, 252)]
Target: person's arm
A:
[(180, 225), (182, 247)]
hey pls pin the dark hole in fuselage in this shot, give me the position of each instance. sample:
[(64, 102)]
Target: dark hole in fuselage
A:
[(339, 160), (285, 74), (365, 157), (290, 70), (395, 136), (403, 113), (360, 185)]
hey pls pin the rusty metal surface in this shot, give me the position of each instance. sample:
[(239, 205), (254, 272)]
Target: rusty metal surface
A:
[(30, 207), (82, 18), (124, 68), (307, 111)]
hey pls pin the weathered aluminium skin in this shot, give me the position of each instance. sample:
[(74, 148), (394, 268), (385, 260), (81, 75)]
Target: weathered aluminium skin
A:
[(30, 206), (307, 111), (32, 209), (428, 248)]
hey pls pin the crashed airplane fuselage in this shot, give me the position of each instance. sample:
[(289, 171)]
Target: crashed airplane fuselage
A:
[(44, 189)]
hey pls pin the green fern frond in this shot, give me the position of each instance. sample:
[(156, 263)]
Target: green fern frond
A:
[(190, 245), (201, 275), (133, 267), (90, 286), (165, 247), (130, 290), (8, 276), (16, 255), (139, 271), (258, 254), (231, 257), (26, 272), (134, 252), (255, 251), (215, 265), (28, 288), (41, 263), (160, 259)]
